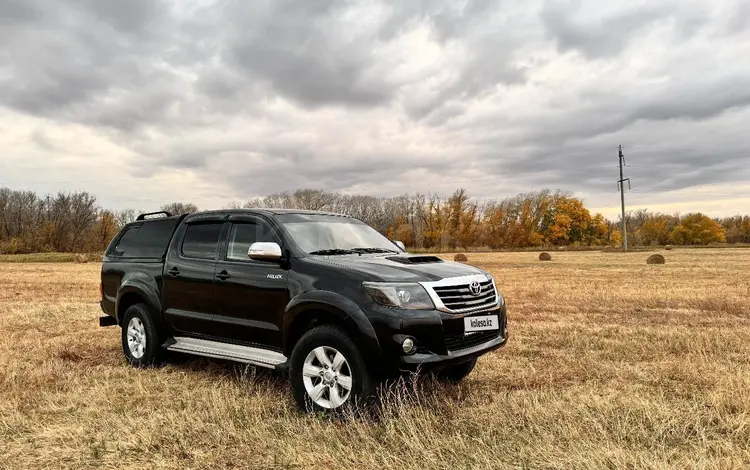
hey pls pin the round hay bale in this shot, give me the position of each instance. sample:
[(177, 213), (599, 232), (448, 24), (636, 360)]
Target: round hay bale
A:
[(668, 247), (656, 259), (545, 256), (562, 248), (80, 258), (461, 258)]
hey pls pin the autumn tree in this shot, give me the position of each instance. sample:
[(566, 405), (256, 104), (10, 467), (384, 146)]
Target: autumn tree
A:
[(615, 238), (598, 231), (104, 230), (737, 228), (570, 221), (461, 220), (656, 229), (697, 229)]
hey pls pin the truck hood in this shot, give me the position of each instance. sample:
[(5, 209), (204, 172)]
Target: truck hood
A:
[(400, 268)]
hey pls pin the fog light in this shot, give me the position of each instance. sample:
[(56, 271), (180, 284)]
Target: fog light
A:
[(408, 346)]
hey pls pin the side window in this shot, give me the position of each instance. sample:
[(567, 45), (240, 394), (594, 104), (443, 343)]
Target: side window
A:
[(201, 240), (242, 235), (149, 239), (126, 242)]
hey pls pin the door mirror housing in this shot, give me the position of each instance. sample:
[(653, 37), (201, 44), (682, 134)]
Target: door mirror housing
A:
[(264, 251), (400, 244)]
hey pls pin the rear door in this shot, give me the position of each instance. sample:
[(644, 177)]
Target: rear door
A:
[(189, 303), (251, 295)]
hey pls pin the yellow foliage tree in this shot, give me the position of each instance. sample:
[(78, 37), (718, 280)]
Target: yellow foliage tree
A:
[(615, 239), (656, 229), (571, 221), (697, 229)]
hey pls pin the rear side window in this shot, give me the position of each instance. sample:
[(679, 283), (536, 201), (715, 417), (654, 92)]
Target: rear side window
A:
[(201, 240), (243, 235), (147, 240), (127, 241)]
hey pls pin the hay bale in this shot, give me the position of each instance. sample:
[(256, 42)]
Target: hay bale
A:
[(668, 247), (545, 256), (461, 258), (656, 259), (81, 258), (562, 248)]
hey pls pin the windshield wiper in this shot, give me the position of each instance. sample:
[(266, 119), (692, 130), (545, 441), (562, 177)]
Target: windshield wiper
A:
[(333, 251), (373, 250)]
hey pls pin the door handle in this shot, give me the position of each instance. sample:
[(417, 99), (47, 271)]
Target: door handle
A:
[(223, 275), (174, 271)]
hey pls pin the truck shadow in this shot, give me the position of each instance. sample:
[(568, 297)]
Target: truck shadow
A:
[(394, 395)]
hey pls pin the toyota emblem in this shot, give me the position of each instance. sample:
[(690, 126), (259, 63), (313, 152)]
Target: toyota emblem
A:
[(475, 288)]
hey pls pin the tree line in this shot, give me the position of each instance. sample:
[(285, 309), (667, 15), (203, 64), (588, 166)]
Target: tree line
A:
[(75, 222)]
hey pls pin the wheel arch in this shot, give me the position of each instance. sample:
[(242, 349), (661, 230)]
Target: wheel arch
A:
[(138, 289), (322, 307)]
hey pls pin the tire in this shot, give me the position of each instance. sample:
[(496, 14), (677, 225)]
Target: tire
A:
[(317, 357), (141, 341), (458, 372)]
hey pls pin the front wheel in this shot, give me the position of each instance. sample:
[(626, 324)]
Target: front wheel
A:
[(327, 371)]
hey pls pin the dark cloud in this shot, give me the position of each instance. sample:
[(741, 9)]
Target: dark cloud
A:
[(16, 12), (302, 50), (609, 34), (80, 57)]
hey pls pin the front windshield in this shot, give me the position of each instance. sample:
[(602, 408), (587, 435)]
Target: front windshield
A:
[(333, 234)]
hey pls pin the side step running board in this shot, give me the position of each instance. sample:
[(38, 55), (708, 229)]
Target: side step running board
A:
[(232, 352)]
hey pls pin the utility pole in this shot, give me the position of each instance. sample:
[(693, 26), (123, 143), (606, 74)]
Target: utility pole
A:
[(621, 187)]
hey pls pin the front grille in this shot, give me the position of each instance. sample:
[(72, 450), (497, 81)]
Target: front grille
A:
[(459, 342), (459, 298)]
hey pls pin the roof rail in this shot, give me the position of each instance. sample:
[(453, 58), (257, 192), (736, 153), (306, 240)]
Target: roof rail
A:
[(143, 216)]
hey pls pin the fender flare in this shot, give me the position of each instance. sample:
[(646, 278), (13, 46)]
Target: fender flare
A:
[(145, 287), (343, 308)]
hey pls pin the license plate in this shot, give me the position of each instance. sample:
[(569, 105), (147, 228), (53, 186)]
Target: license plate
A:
[(484, 323)]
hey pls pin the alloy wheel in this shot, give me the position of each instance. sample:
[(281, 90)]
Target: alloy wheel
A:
[(327, 377), (136, 338)]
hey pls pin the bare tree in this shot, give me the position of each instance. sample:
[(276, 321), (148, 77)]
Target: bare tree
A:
[(126, 216), (179, 208)]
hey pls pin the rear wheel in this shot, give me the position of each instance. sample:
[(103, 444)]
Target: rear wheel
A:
[(458, 372), (140, 338), (327, 371)]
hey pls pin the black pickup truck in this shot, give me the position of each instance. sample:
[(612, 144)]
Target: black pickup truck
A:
[(323, 297)]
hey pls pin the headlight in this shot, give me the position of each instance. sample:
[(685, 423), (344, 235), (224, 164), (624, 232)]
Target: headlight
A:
[(410, 296)]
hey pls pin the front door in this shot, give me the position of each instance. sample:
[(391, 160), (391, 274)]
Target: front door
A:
[(251, 295), (189, 303)]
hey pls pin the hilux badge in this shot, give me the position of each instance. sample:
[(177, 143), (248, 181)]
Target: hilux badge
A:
[(475, 288)]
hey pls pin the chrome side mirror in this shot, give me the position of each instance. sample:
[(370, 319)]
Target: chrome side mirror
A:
[(400, 244), (266, 251)]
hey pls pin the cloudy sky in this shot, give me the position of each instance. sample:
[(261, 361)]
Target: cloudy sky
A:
[(143, 102)]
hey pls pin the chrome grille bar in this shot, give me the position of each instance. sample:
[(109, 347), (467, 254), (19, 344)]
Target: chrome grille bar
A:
[(453, 294)]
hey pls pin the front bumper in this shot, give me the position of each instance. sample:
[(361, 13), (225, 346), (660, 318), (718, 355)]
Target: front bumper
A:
[(432, 360), (439, 336)]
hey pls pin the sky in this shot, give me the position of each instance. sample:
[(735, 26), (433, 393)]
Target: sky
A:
[(145, 102)]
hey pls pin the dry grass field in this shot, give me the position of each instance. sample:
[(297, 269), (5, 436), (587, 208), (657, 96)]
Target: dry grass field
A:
[(611, 364)]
